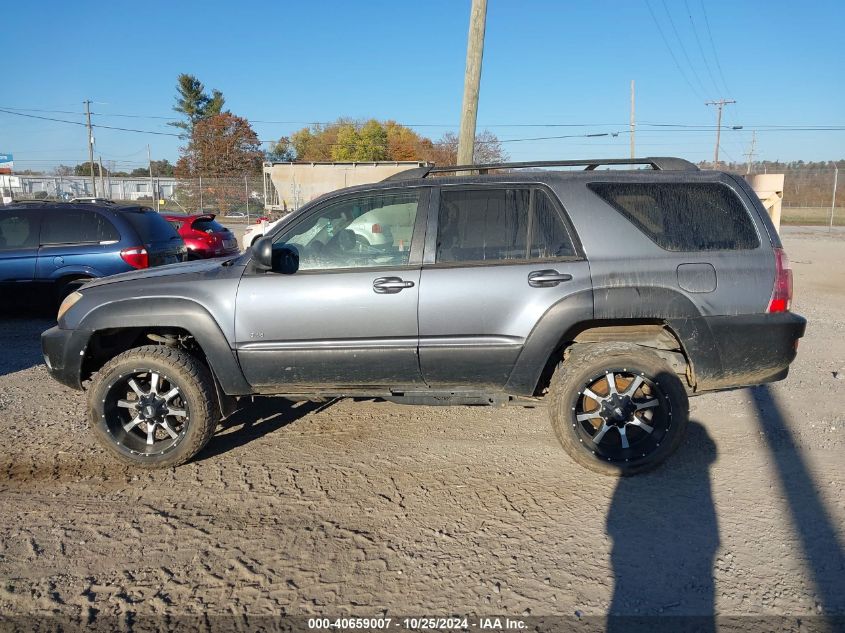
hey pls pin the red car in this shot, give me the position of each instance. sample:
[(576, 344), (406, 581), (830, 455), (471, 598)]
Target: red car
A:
[(204, 236)]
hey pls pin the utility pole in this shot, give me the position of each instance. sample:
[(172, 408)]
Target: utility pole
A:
[(246, 193), (102, 177), (750, 152), (833, 202), (633, 124), (721, 103), (472, 80), (90, 146), (152, 187)]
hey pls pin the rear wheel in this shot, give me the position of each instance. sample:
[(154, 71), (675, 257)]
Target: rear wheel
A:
[(617, 409), (153, 406)]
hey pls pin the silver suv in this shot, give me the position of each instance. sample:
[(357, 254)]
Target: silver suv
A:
[(607, 295)]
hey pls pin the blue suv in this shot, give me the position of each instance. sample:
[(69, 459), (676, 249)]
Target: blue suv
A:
[(58, 246)]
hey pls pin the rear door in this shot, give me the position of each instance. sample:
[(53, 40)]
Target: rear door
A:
[(18, 246), (78, 241), (497, 258)]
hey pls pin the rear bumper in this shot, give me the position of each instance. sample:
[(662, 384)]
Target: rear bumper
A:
[(739, 351), (63, 352)]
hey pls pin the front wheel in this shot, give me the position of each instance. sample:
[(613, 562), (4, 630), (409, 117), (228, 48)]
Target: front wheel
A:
[(617, 409), (153, 406)]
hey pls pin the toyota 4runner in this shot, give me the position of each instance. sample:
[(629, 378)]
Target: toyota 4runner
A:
[(607, 295)]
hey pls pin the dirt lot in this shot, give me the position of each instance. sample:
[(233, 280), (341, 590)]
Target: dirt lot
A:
[(365, 507)]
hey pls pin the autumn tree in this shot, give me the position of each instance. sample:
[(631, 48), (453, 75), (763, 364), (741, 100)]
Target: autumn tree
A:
[(223, 146), (63, 170), (488, 149), (195, 103), (160, 168), (348, 140), (282, 151), (84, 169)]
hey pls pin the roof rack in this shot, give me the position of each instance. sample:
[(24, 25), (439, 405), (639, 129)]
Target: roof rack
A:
[(666, 163)]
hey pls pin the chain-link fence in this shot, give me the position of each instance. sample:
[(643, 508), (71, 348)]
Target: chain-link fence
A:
[(238, 196), (811, 196)]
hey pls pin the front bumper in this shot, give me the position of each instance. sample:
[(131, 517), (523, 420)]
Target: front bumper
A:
[(64, 351)]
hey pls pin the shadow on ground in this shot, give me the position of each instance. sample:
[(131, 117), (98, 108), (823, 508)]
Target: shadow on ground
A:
[(255, 419), (20, 337), (665, 535), (821, 545)]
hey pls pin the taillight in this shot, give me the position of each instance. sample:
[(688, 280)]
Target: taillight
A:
[(376, 228), (136, 257), (782, 292)]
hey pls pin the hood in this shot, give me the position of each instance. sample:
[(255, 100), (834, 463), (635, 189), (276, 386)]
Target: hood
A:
[(171, 270)]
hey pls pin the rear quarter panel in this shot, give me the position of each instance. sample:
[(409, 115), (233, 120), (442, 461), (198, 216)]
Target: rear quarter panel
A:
[(635, 278)]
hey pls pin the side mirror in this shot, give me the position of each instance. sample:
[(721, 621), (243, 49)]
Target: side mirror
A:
[(284, 258), (262, 253)]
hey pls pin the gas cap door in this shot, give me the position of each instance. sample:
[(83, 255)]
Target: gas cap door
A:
[(699, 277)]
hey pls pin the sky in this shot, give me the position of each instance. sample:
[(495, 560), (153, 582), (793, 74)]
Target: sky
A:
[(550, 69)]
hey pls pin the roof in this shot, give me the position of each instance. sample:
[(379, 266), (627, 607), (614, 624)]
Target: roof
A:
[(371, 163), (91, 206), (656, 163)]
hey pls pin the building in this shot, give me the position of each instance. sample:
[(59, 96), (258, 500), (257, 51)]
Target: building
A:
[(288, 186)]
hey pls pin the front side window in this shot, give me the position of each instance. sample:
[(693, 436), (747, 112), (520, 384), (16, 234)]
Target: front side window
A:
[(495, 225), (362, 232), (18, 230), (77, 227)]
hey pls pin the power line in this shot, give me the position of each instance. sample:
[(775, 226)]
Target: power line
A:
[(683, 48), (713, 46), (700, 47), (620, 124), (671, 52)]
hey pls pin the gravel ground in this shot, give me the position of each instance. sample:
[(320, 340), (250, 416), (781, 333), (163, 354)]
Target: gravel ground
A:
[(364, 508)]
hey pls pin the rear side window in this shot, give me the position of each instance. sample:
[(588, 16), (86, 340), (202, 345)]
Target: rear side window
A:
[(550, 238), (207, 226), (76, 226), (683, 216), (507, 224), (150, 226), (18, 229)]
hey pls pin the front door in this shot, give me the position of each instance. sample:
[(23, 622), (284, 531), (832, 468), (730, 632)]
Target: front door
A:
[(18, 249), (347, 318)]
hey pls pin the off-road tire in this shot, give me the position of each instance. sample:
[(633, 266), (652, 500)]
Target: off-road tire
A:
[(585, 361), (197, 387)]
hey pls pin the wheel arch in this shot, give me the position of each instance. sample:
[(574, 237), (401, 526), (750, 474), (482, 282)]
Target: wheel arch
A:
[(658, 335), (652, 317), (121, 325)]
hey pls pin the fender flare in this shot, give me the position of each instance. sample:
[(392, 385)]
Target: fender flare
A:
[(180, 313), (605, 305), (545, 338)]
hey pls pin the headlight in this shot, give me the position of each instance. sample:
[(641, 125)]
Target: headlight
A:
[(68, 303)]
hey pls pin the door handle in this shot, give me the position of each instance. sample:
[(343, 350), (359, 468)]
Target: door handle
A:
[(546, 278), (390, 285)]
